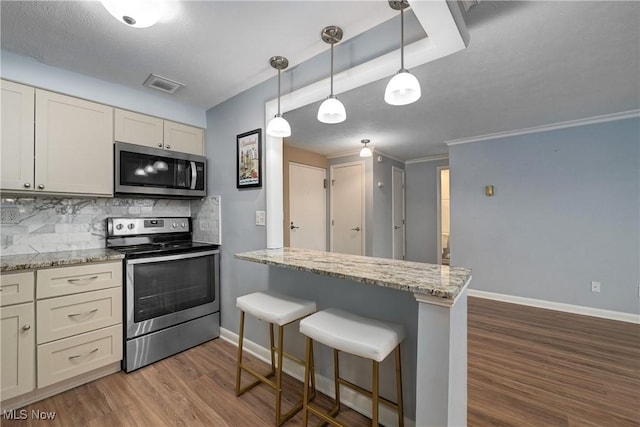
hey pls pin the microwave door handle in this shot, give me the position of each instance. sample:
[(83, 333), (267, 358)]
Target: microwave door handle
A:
[(194, 175)]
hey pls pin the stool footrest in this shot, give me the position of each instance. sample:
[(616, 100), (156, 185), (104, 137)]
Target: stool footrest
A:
[(327, 417), (366, 392), (260, 379)]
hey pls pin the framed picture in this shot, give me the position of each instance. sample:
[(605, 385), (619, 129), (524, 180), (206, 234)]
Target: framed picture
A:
[(249, 159)]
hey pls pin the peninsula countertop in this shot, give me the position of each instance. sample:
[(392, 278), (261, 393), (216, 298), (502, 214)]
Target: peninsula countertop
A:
[(13, 263), (430, 280)]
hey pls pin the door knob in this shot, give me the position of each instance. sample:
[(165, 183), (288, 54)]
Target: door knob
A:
[(293, 227), (356, 229)]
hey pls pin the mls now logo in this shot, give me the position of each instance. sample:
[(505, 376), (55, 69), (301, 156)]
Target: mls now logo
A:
[(23, 414)]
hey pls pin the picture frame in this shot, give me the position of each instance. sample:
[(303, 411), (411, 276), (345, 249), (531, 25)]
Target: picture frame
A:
[(249, 159)]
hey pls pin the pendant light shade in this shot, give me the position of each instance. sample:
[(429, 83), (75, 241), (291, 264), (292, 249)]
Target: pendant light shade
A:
[(278, 126), (366, 151), (404, 87), (332, 111), (136, 13)]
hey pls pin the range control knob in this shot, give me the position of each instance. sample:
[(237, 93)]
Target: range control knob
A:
[(184, 225), (174, 225), (119, 226), (131, 226)]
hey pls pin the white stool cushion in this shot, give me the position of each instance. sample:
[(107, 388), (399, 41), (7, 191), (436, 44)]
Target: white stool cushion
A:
[(275, 308), (362, 336)]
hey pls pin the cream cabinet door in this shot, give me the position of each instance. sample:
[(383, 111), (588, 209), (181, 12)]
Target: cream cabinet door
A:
[(74, 145), (17, 136), (17, 364), (183, 138), (136, 128)]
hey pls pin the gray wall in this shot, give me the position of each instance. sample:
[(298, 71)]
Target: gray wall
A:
[(565, 212), (421, 180)]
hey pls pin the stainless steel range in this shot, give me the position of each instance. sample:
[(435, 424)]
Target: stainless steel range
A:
[(172, 287)]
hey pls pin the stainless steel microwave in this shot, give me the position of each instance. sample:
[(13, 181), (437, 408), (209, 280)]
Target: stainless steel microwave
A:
[(153, 172)]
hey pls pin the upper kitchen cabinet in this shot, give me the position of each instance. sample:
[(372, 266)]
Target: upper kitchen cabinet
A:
[(69, 150), (136, 128), (17, 136), (73, 145)]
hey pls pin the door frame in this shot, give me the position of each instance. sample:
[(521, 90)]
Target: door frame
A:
[(404, 213), (439, 170), (362, 210)]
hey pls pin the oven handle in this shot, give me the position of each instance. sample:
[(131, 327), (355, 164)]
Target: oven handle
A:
[(172, 257)]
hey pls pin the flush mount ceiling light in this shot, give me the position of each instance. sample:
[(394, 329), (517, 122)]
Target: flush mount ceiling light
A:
[(403, 88), (136, 13), (279, 126), (366, 151), (331, 110)]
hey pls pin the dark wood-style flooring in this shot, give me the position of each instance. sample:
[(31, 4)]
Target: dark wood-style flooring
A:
[(527, 367)]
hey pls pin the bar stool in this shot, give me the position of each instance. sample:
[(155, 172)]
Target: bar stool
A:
[(361, 336), (275, 309)]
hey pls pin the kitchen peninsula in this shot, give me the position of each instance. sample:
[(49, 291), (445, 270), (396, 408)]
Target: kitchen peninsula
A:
[(441, 292)]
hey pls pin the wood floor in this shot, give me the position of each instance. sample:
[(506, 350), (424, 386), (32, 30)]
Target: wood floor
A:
[(527, 367)]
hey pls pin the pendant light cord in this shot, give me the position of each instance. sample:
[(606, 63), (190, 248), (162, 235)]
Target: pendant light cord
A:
[(279, 91), (332, 43), (402, 39)]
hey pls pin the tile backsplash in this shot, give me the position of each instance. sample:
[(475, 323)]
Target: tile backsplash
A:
[(59, 224)]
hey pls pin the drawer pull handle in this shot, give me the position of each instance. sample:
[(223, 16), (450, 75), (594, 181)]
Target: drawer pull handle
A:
[(83, 355), (83, 281), (86, 313)]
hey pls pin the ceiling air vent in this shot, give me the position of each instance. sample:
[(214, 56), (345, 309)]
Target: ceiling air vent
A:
[(163, 84)]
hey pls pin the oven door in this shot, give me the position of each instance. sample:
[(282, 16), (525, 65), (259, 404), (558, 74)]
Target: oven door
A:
[(162, 291)]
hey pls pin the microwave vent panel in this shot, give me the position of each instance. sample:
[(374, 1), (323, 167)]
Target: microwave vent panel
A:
[(163, 84)]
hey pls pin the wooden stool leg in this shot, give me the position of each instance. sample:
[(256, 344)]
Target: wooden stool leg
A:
[(336, 376), (399, 384), (239, 361), (307, 372), (280, 351), (374, 421), (272, 343)]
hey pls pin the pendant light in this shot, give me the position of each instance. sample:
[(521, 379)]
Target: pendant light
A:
[(279, 126), (331, 111), (366, 151), (403, 88)]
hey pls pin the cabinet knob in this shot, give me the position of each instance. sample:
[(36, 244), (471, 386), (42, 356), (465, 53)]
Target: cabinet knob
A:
[(168, 146), (41, 186), (26, 327), (160, 145), (27, 185)]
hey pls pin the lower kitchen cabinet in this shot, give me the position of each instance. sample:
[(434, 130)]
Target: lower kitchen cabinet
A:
[(76, 338), (17, 363)]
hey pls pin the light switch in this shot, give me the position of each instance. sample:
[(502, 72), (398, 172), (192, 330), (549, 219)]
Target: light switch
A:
[(260, 218)]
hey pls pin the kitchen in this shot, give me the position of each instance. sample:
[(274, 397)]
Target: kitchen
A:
[(247, 111)]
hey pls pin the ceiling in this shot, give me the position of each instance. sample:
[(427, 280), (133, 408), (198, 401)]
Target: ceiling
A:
[(527, 64)]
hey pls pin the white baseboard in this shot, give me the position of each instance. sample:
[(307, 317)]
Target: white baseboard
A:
[(348, 397), (558, 306)]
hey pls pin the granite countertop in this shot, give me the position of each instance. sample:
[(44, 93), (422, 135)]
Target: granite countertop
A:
[(56, 259), (438, 281)]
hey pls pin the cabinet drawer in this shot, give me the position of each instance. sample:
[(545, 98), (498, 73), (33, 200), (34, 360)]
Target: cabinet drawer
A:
[(16, 288), (66, 358), (75, 314), (59, 281)]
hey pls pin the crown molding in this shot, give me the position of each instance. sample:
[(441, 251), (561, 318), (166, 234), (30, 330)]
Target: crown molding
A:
[(389, 156), (428, 159), (346, 153), (546, 128)]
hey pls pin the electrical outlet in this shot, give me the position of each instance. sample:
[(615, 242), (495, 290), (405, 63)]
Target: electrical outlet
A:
[(260, 218), (595, 287), (9, 215)]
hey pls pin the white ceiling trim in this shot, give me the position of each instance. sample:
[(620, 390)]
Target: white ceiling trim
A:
[(427, 159), (546, 128), (444, 38)]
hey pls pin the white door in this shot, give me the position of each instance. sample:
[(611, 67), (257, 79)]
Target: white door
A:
[(307, 207), (347, 208), (397, 214)]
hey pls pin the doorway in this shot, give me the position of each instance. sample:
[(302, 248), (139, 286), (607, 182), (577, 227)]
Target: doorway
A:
[(307, 207), (397, 213), (347, 208), (444, 216)]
